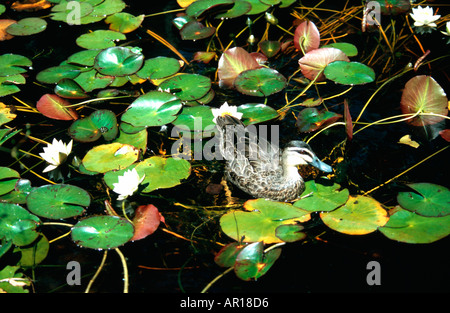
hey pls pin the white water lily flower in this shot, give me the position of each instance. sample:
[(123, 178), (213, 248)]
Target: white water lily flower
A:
[(56, 153), (424, 16), (128, 184), (226, 109), (447, 32)]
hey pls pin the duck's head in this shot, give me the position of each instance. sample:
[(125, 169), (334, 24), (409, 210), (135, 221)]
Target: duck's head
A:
[(299, 153)]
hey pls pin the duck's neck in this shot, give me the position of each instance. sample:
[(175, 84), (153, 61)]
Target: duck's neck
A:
[(290, 172)]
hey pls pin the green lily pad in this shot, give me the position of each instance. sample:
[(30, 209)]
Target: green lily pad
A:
[(8, 272), (313, 63), (239, 8), (34, 254), (64, 12), (124, 22), (152, 109), (196, 118), (349, 73), (99, 123), (257, 7), (311, 119), (137, 140), (68, 88), (200, 7), (19, 194), (226, 257), (409, 227), (84, 57), (54, 74), (108, 157), (187, 87), (6, 89), (261, 82), (253, 113), (99, 39), (320, 197), (27, 26), (118, 61), (269, 47), (159, 67), (102, 232), (17, 224), (101, 9), (290, 232), (91, 80), (252, 262), (58, 201), (349, 49), (260, 220), (426, 199), (195, 31), (359, 216), (8, 179), (11, 64)]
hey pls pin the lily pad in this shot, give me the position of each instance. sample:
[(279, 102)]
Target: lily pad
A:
[(34, 254), (313, 63), (27, 26), (253, 113), (54, 74), (108, 157), (152, 109), (290, 232), (261, 82), (311, 119), (91, 80), (423, 94), (99, 39), (306, 37), (260, 220), (58, 201), (99, 123), (137, 140), (19, 194), (270, 47), (349, 49), (197, 118), (233, 62), (11, 64), (68, 88), (118, 61), (409, 227), (159, 67), (187, 87), (124, 22), (359, 216), (195, 31), (56, 108), (17, 224), (64, 12), (252, 262), (102, 232), (257, 7), (84, 57), (8, 179), (349, 73), (199, 7), (321, 197), (239, 8), (394, 7), (426, 199), (226, 257)]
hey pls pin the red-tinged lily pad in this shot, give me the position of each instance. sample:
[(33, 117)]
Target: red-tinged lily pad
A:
[(68, 88), (426, 199), (270, 47), (99, 123), (261, 82), (226, 257), (445, 134), (56, 108), (118, 61), (252, 263), (314, 62), (311, 119), (306, 37), (422, 94), (233, 62), (394, 7), (195, 31), (146, 221), (203, 56)]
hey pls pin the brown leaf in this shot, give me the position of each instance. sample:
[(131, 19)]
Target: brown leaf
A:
[(146, 221)]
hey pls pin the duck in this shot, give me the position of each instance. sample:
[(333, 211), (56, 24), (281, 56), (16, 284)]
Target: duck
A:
[(258, 167)]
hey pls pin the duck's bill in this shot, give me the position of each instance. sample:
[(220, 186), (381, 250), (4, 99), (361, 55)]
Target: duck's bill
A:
[(321, 165)]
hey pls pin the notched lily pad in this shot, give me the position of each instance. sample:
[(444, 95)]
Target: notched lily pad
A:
[(426, 199)]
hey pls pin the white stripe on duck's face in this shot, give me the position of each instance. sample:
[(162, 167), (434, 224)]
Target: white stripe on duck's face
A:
[(298, 156)]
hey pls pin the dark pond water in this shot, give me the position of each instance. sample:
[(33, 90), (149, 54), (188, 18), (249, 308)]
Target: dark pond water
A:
[(336, 263)]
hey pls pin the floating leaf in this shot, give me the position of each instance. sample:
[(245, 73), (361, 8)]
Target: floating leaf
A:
[(257, 7), (203, 56), (270, 47), (118, 61), (56, 108), (290, 232), (195, 31), (84, 57), (64, 12), (146, 221), (306, 37), (322, 197), (99, 123), (124, 22), (196, 118), (359, 216), (34, 254), (4, 23), (27, 26), (406, 226), (102, 232), (8, 179), (349, 49), (152, 109), (137, 140), (58, 201), (108, 157), (54, 74), (239, 8), (11, 64), (9, 272), (349, 73), (68, 88), (314, 62), (226, 257), (91, 80), (19, 194), (187, 87), (17, 224), (261, 82), (422, 94), (99, 39), (199, 7), (253, 113), (311, 119), (260, 220), (233, 62), (426, 199), (159, 67)]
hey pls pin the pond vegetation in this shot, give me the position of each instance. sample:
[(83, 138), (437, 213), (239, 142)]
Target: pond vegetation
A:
[(107, 112)]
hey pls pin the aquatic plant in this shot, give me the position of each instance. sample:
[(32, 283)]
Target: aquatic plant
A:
[(136, 122)]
